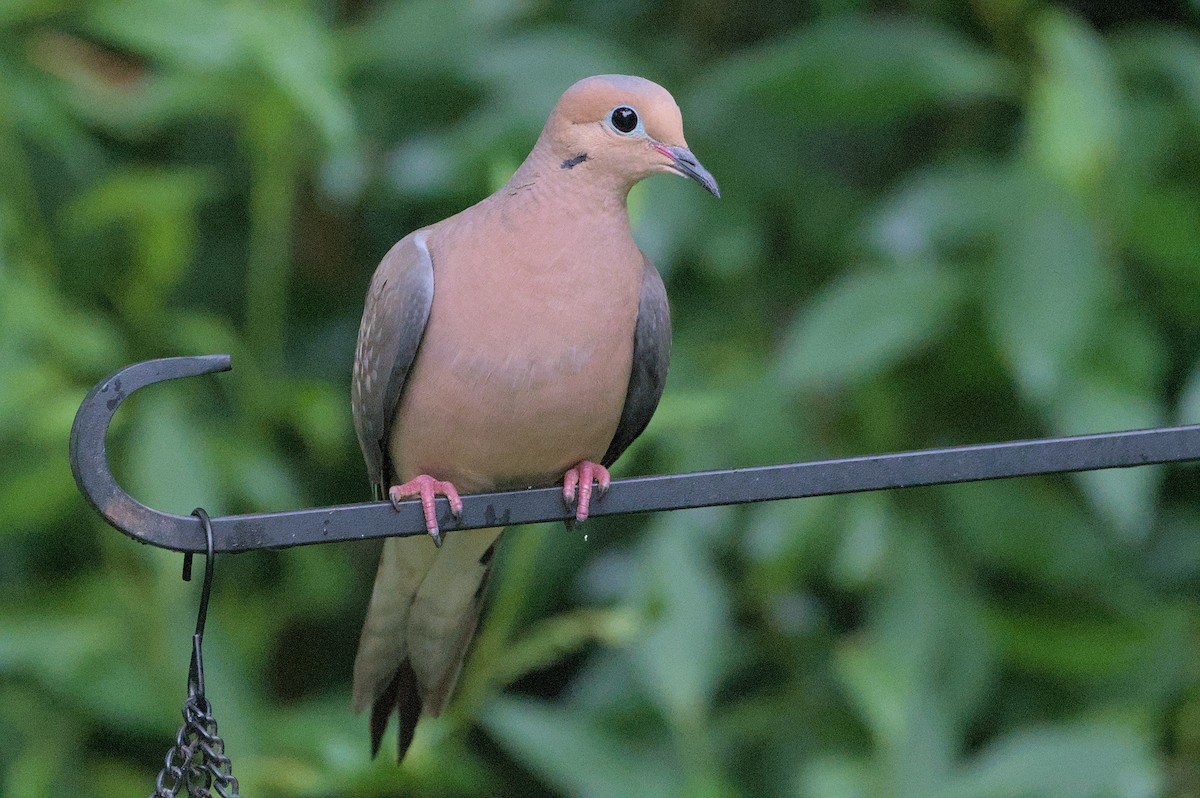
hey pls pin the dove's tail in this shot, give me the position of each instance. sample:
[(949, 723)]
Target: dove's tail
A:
[(423, 612)]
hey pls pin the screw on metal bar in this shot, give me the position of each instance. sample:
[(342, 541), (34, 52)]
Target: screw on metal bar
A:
[(197, 763)]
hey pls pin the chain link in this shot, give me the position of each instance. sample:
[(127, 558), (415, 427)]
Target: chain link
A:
[(197, 765)]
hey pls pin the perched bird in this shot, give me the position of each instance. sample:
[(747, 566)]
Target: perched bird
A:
[(521, 342)]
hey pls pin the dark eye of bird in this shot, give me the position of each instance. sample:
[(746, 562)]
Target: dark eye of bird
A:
[(624, 119)]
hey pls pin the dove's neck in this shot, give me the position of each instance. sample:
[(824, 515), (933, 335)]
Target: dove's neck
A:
[(576, 181)]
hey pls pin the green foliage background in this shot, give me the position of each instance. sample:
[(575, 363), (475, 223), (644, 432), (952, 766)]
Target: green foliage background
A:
[(942, 223)]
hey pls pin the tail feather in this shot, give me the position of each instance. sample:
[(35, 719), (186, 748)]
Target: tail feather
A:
[(423, 613), (445, 612), (383, 645), (400, 695), (439, 694)]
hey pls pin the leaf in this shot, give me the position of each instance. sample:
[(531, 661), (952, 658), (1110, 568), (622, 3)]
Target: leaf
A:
[(575, 754), (424, 166), (921, 670), (857, 70), (20, 12), (940, 211), (1144, 656), (1034, 533), (37, 317), (865, 323), (836, 777), (527, 72), (1163, 54), (54, 648), (1101, 758), (169, 463), (688, 634), (424, 37), (1050, 290), (291, 46), (157, 209), (1162, 232), (187, 34), (551, 640), (1073, 119), (257, 477), (137, 195), (1187, 410), (1125, 496), (1081, 648), (862, 554)]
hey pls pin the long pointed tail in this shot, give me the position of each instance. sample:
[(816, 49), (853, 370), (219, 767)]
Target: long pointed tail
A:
[(423, 612)]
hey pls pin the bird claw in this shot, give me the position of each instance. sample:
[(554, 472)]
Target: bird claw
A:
[(581, 477), (427, 488)]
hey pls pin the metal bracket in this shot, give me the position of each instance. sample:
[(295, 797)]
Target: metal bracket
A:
[(89, 463)]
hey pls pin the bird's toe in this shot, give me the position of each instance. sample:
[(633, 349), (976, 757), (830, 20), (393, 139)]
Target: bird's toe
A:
[(427, 488)]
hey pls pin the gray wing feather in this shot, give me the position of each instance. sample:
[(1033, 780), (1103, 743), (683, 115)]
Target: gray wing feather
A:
[(394, 319), (651, 357)]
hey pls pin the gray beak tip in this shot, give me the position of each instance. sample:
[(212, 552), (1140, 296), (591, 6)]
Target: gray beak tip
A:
[(687, 165)]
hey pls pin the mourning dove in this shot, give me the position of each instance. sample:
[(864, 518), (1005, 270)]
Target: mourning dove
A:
[(519, 343)]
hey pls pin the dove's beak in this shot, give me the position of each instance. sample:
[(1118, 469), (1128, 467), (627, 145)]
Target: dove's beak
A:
[(686, 164)]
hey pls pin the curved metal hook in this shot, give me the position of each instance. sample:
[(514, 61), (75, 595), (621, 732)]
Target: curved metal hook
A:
[(89, 454), (89, 464)]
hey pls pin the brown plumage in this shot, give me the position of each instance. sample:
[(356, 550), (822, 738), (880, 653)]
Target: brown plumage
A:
[(514, 344)]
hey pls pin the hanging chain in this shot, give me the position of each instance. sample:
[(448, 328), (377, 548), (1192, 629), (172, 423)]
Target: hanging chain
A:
[(197, 765)]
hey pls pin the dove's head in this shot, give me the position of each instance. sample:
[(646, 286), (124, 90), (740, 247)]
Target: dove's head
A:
[(622, 128)]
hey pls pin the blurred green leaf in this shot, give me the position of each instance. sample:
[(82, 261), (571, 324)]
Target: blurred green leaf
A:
[(188, 34), (1162, 232), (865, 323), (17, 12), (862, 555), (168, 458), (1092, 759), (858, 70), (1088, 648), (1035, 533), (1050, 292), (291, 46), (1073, 108), (158, 208), (1165, 53), (913, 678), (945, 210), (1125, 497), (527, 72), (575, 755), (836, 778), (687, 634), (1188, 410), (423, 37), (557, 637)]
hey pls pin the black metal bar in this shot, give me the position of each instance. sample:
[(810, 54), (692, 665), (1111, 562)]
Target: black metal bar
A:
[(89, 462)]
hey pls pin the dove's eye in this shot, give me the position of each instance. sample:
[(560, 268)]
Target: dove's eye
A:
[(624, 119)]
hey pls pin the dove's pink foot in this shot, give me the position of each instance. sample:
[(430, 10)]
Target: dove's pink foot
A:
[(427, 488), (581, 477)]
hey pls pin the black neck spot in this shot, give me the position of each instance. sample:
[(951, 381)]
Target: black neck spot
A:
[(571, 163)]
